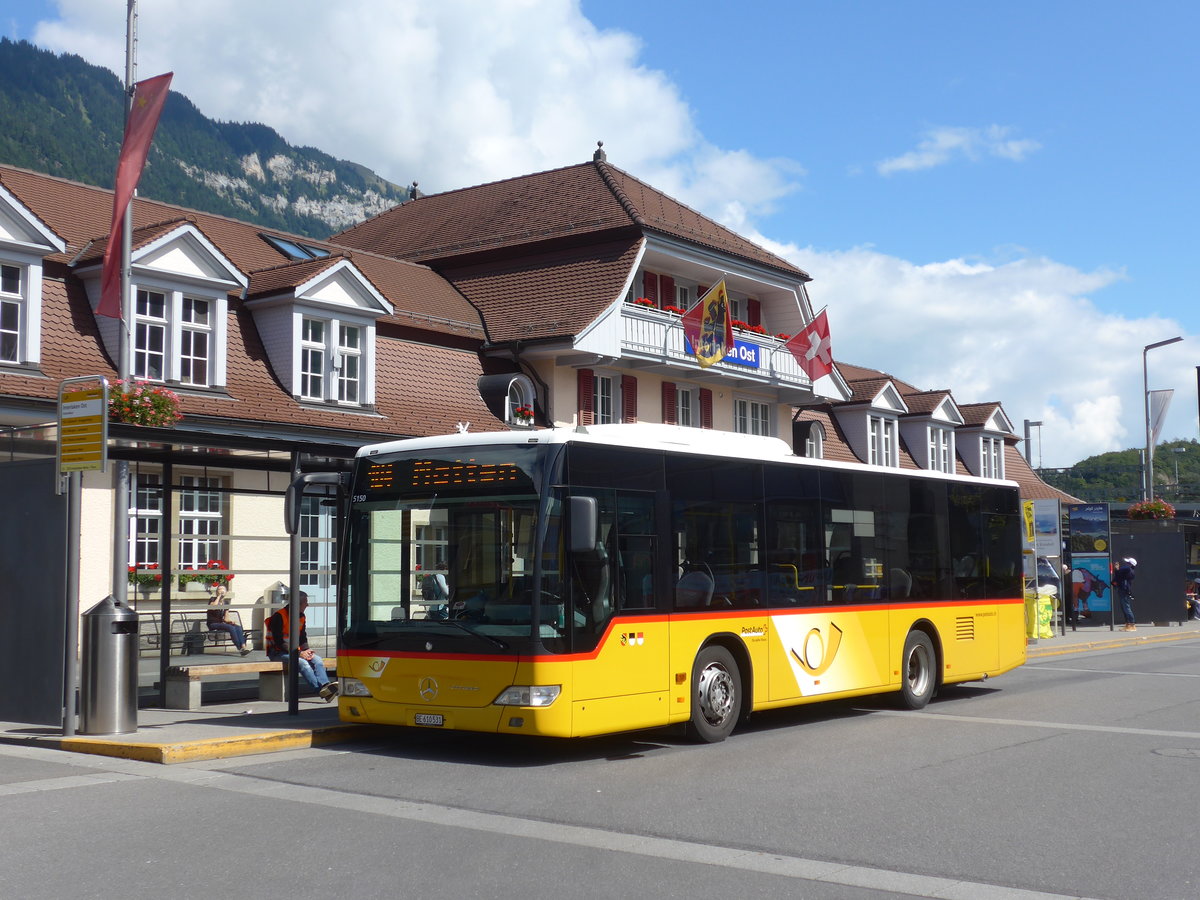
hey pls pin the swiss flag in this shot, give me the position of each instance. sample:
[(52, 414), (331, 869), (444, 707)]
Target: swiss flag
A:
[(148, 99), (812, 349)]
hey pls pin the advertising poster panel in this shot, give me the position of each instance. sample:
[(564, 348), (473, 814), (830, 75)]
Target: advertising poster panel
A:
[(1047, 528), (1090, 540)]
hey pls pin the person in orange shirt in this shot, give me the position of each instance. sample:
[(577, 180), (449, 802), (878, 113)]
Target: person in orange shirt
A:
[(312, 667)]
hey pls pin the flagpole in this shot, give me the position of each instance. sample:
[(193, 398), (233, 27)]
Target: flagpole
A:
[(120, 570)]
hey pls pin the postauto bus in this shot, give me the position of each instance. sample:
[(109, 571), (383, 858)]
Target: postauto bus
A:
[(573, 582)]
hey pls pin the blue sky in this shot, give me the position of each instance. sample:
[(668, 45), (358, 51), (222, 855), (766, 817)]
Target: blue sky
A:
[(998, 200)]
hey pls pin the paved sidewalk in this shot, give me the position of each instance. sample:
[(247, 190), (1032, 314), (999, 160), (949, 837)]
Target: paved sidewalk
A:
[(221, 730)]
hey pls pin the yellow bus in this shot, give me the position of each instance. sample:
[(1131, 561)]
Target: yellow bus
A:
[(572, 582)]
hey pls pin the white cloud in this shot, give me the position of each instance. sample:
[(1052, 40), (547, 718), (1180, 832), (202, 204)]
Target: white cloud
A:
[(1024, 333), (945, 144), (457, 92)]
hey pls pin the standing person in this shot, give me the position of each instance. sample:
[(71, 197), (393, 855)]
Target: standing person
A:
[(1123, 583), (312, 667), (219, 620)]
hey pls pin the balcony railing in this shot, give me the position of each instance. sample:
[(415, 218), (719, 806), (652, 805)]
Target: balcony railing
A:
[(652, 335)]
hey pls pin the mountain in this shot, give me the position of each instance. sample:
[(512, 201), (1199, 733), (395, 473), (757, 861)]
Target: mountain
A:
[(64, 116), (1117, 477)]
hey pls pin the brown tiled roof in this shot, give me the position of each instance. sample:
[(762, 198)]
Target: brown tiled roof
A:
[(288, 276), (851, 372), (81, 214), (866, 389), (977, 413), (922, 403), (421, 389), (835, 446), (575, 205), (550, 295)]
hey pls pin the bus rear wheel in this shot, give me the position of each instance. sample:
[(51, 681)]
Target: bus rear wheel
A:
[(716, 695), (918, 668)]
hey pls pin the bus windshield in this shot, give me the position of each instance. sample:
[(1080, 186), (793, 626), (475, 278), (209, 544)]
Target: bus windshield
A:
[(445, 543)]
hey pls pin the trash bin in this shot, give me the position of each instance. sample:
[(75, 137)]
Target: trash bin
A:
[(108, 689)]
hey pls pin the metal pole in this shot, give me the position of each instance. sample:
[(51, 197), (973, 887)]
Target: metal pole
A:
[(120, 568), (1148, 459), (293, 672), (70, 662)]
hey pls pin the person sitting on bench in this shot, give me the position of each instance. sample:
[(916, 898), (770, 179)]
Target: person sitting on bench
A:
[(312, 668), (219, 620)]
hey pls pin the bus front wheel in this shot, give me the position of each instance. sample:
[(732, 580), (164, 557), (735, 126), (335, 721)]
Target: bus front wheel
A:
[(918, 670), (716, 695)]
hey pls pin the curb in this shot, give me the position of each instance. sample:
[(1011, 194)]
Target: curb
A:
[(1105, 644), (205, 749)]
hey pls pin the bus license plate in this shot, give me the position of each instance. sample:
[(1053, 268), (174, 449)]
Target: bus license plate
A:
[(429, 719)]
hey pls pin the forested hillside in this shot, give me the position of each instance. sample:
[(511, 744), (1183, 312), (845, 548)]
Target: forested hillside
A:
[(1117, 477), (63, 116)]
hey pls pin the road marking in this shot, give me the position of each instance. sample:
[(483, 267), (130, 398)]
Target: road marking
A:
[(1029, 723), (66, 782), (1112, 671), (641, 845), (795, 867)]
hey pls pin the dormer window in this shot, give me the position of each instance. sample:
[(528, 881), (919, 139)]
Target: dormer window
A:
[(330, 361), (991, 457), (882, 445), (941, 449), (12, 313), (173, 338), (814, 442)]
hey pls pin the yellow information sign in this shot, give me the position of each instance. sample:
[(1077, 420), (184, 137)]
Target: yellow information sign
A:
[(82, 434)]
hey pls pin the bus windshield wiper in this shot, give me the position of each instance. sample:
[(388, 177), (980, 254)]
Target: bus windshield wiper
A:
[(464, 627)]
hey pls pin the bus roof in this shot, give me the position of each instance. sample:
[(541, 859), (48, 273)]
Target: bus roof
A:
[(648, 436)]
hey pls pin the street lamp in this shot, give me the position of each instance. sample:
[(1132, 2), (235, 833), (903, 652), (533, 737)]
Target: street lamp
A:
[(1028, 448), (1149, 463), (1177, 451)]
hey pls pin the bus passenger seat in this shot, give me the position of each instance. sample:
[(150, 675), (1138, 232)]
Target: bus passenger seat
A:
[(694, 588)]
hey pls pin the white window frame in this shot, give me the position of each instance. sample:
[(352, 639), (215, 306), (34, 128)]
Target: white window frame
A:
[(991, 457), (814, 441), (751, 416), (882, 442), (687, 406), (344, 368), (606, 398), (683, 295), (12, 303), (941, 449), (176, 321), (520, 393), (145, 519), (201, 513)]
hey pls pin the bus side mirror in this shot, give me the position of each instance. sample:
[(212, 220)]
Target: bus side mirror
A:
[(295, 491), (584, 518)]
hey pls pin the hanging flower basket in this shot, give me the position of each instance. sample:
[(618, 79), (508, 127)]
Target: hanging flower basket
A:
[(1151, 509), (142, 403), (146, 575), (210, 574)]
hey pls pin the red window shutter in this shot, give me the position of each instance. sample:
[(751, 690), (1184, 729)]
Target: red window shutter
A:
[(701, 290), (650, 287), (753, 312), (668, 290), (628, 398), (668, 401), (706, 418), (587, 397)]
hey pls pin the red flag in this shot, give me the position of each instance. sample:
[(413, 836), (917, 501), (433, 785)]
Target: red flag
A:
[(148, 99), (812, 349), (708, 326)]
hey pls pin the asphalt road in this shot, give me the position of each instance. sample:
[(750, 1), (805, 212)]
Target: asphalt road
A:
[(1075, 776)]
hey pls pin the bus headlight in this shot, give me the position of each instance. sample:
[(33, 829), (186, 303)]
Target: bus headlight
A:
[(352, 687), (528, 695)]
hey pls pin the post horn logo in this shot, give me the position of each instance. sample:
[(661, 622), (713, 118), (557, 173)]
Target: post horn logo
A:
[(818, 654)]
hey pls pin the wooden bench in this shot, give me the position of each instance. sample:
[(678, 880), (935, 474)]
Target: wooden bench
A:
[(183, 682)]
